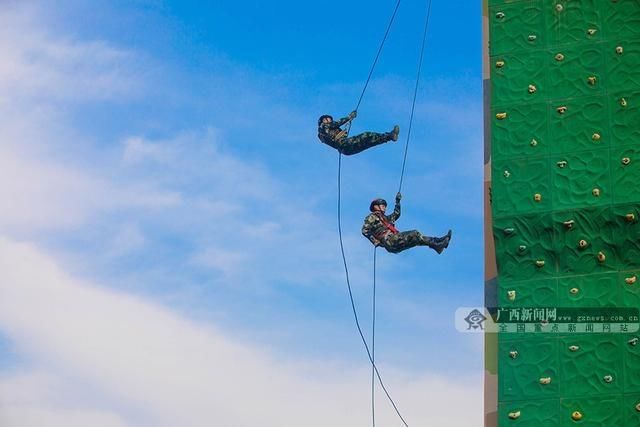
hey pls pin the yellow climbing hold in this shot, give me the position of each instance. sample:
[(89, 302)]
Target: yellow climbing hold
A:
[(582, 244), (592, 80), (623, 102), (540, 263), (608, 379), (561, 164), (630, 217), (619, 50), (601, 257), (576, 416), (513, 354), (596, 137), (561, 110), (532, 89), (537, 197), (514, 415), (592, 31), (574, 348), (633, 341), (501, 116), (559, 57), (499, 64), (511, 295), (595, 192), (626, 161), (545, 380), (630, 280), (569, 224), (533, 142)]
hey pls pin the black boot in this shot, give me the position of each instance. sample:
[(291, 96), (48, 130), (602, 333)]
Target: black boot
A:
[(435, 243), (446, 239), (393, 135)]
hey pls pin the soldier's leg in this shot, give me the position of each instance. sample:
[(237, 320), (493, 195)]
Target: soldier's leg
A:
[(404, 240), (359, 143), (408, 239)]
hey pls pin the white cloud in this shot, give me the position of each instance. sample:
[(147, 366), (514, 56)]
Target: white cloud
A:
[(93, 346)]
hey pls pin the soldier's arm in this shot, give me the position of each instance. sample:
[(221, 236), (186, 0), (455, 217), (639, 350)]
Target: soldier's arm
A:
[(367, 230), (396, 212), (342, 121)]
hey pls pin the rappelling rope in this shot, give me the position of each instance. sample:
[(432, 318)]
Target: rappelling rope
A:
[(375, 61), (415, 94), (373, 342), (353, 304)]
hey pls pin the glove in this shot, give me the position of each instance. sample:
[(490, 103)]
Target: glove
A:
[(398, 197), (353, 114)]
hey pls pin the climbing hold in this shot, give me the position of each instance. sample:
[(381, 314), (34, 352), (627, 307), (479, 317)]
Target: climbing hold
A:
[(608, 379), (533, 142), (576, 416), (511, 295), (623, 102), (630, 217), (626, 161), (574, 291), (633, 341), (569, 224), (559, 57), (561, 164), (582, 244), (501, 116), (522, 248), (630, 280), (574, 348), (532, 89), (513, 354), (592, 80), (508, 231), (545, 380), (595, 192), (506, 174), (596, 137), (592, 31), (514, 415), (499, 64), (559, 7), (561, 110), (500, 15), (540, 263), (537, 197), (601, 257), (638, 407), (619, 50), (532, 37)]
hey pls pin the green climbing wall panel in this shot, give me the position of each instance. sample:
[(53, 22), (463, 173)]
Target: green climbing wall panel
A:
[(565, 200)]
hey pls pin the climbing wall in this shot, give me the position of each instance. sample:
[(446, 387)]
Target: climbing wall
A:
[(563, 131)]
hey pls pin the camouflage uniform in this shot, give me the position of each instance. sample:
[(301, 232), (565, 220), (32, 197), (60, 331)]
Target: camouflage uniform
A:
[(380, 230), (333, 136)]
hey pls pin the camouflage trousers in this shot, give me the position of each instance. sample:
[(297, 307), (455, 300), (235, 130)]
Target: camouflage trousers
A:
[(358, 143), (398, 242)]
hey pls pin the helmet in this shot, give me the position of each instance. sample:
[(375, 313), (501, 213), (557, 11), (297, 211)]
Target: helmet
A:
[(322, 117), (377, 202)]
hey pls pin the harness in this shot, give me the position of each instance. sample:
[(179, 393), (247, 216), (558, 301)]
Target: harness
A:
[(389, 227)]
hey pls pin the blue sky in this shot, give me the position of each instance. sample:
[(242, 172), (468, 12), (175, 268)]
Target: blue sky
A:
[(161, 158)]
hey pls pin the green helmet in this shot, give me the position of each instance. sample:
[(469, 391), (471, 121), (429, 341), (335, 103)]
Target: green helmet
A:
[(377, 202)]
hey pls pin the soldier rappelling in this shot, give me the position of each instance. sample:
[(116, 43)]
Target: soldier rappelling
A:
[(330, 133), (380, 229)]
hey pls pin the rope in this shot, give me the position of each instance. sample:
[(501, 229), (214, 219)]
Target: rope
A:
[(353, 305), (373, 342), (375, 60), (415, 94)]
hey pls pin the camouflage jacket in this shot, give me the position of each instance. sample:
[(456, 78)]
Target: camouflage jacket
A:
[(330, 133), (377, 226)]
